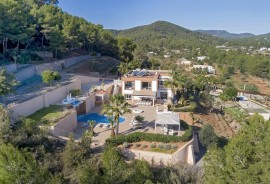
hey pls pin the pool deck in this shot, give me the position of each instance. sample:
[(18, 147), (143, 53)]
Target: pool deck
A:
[(148, 125)]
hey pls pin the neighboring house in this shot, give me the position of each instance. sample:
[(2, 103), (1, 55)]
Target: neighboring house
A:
[(146, 85), (209, 69), (166, 56), (183, 61), (201, 58), (176, 51)]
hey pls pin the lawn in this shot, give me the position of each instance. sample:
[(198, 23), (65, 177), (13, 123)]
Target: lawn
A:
[(49, 115)]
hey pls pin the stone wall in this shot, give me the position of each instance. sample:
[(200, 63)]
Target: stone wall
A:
[(25, 73), (32, 70), (184, 155), (31, 106), (65, 126)]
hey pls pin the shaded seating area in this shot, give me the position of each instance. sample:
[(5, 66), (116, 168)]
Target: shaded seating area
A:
[(168, 121)]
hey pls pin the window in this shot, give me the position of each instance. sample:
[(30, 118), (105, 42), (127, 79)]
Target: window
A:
[(127, 96), (129, 85), (160, 83), (146, 85), (163, 95)]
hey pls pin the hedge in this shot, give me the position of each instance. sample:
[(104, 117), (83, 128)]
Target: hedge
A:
[(151, 137), (190, 108)]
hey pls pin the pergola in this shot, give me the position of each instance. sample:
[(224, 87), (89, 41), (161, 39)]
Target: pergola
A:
[(167, 118), (144, 94)]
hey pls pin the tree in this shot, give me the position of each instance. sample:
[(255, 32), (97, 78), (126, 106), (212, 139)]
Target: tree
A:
[(117, 107), (126, 47), (246, 158), (207, 136), (173, 83), (72, 157), (114, 166), (56, 39), (139, 119), (91, 127), (48, 76), (7, 83), (4, 125), (229, 93), (19, 166)]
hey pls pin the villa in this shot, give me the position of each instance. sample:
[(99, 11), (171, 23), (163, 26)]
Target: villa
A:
[(209, 69), (146, 86)]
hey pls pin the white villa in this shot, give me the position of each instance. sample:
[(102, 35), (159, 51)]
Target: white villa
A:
[(146, 86), (210, 69), (201, 58), (183, 61)]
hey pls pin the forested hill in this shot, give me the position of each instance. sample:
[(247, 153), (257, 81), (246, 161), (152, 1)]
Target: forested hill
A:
[(225, 34), (255, 41), (165, 34)]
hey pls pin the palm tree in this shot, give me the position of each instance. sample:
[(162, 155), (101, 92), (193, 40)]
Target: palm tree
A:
[(91, 127), (174, 83), (117, 107), (112, 126)]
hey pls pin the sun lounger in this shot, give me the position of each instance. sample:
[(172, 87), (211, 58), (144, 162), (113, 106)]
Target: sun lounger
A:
[(100, 124), (106, 126)]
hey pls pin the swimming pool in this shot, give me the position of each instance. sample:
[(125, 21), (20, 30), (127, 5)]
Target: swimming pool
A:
[(99, 118)]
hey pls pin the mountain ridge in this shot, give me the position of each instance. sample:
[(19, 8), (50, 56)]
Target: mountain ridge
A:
[(225, 34)]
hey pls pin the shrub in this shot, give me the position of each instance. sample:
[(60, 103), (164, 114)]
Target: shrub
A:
[(150, 137), (167, 147), (48, 76), (152, 146), (125, 145), (137, 145), (75, 92), (207, 136), (161, 146), (190, 108), (145, 146), (174, 147)]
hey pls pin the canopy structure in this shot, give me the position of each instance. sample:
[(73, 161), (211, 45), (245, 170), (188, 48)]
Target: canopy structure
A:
[(167, 118)]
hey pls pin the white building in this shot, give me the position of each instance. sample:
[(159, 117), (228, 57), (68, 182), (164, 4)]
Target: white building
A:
[(166, 56), (183, 61), (210, 69), (146, 85), (201, 58)]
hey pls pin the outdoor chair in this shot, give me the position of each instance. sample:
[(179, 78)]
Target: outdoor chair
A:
[(171, 132)]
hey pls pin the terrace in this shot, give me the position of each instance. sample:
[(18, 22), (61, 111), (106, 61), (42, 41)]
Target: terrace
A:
[(148, 125)]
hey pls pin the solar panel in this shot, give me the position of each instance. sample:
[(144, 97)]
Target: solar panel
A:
[(141, 73), (134, 73)]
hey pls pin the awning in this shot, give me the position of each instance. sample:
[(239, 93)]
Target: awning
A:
[(147, 93), (167, 118)]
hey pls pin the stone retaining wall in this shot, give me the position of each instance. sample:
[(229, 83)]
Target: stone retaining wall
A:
[(65, 126)]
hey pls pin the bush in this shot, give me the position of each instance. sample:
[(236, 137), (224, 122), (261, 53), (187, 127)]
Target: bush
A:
[(161, 146), (190, 108), (167, 147), (125, 144), (150, 137), (145, 146), (76, 92), (174, 147), (48, 76), (152, 146), (207, 136), (137, 145)]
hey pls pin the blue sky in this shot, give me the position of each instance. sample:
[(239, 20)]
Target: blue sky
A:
[(232, 15)]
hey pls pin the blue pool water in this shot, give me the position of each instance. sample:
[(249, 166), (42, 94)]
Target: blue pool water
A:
[(76, 103), (99, 118)]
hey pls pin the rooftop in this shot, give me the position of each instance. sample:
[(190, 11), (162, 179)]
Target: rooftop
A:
[(147, 73)]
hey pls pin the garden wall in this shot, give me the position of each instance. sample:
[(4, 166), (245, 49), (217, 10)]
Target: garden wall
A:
[(65, 126), (185, 155), (25, 73), (87, 79), (90, 102), (31, 106)]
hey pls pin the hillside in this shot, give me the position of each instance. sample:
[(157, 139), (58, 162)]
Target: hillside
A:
[(262, 40), (165, 34), (225, 34)]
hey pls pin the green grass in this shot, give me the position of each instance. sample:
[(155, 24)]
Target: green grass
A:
[(48, 115)]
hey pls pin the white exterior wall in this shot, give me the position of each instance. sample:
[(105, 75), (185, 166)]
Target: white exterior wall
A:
[(138, 85), (154, 86)]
